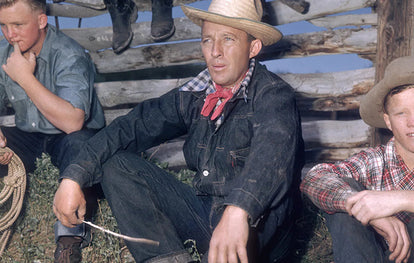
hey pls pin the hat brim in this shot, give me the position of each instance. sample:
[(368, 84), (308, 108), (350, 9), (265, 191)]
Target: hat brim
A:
[(266, 33), (371, 107)]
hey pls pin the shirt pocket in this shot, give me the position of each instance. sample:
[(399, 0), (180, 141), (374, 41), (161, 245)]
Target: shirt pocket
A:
[(238, 158)]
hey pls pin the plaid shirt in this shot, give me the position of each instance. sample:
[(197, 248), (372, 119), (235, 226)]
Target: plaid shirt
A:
[(378, 169), (203, 81)]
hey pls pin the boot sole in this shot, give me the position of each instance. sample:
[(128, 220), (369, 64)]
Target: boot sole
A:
[(125, 46), (164, 37)]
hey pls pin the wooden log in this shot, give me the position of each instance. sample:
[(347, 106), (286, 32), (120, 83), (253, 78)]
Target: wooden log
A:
[(341, 41), (73, 11), (148, 57), (337, 134), (332, 84), (95, 39), (279, 13), (331, 22), (297, 5), (132, 92), (90, 7), (341, 103)]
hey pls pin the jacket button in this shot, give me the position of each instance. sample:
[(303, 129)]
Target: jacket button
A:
[(205, 173)]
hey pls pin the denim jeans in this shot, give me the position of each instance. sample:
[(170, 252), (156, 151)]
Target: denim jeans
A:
[(62, 149), (151, 203), (354, 242)]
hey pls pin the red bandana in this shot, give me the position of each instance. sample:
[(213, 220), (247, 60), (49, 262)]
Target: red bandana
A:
[(212, 99)]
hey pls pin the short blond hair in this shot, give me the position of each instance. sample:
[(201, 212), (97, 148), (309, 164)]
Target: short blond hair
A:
[(35, 5)]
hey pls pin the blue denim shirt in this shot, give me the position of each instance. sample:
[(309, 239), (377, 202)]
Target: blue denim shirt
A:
[(251, 161), (65, 69)]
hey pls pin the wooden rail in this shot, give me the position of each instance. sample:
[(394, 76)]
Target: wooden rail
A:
[(318, 94)]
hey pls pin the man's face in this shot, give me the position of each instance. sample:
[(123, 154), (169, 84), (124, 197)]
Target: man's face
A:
[(227, 52), (22, 25), (400, 120)]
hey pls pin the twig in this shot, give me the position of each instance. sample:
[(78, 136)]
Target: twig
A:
[(132, 239)]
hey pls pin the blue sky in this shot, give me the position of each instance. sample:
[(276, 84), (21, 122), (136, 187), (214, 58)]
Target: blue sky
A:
[(314, 64)]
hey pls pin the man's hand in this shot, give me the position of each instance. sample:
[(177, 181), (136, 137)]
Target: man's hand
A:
[(69, 204), (368, 205), (395, 233), (229, 240), (6, 157), (18, 66)]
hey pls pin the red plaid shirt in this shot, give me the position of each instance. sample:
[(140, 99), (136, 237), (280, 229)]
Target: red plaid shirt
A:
[(379, 169)]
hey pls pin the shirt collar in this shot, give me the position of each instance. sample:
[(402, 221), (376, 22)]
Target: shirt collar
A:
[(47, 45), (203, 81)]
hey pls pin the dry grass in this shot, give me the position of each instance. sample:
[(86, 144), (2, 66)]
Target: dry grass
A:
[(33, 237)]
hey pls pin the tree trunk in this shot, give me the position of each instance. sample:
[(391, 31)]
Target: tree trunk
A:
[(395, 39)]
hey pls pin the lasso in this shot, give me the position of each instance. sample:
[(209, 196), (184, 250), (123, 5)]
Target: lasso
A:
[(14, 187)]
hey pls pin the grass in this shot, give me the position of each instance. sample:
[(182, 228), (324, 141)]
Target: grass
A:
[(33, 238)]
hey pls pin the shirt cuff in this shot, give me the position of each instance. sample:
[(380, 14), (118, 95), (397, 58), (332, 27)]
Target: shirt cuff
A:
[(76, 173)]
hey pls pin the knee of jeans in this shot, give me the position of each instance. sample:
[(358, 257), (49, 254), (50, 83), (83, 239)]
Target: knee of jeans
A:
[(78, 137)]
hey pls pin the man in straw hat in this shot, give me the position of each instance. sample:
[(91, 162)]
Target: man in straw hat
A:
[(369, 197), (243, 141)]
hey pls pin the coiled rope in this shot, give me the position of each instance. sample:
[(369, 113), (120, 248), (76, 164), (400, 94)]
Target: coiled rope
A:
[(14, 187)]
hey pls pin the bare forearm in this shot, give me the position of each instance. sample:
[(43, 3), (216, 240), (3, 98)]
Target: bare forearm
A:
[(58, 111), (368, 205)]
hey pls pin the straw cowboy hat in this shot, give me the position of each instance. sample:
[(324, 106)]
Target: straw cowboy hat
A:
[(245, 15), (398, 73)]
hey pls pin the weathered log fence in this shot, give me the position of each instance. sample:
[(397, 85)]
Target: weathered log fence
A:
[(328, 102)]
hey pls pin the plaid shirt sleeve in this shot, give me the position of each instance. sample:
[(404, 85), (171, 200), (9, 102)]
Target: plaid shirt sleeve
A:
[(325, 186)]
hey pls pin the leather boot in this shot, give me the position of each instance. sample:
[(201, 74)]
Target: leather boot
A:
[(162, 24), (123, 13)]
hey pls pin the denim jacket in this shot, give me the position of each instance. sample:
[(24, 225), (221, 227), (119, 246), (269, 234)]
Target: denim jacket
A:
[(250, 161)]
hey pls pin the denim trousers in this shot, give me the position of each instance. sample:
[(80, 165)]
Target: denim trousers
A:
[(62, 148), (354, 242), (151, 203)]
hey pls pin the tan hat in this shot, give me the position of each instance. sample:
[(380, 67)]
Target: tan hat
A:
[(245, 15), (398, 73)]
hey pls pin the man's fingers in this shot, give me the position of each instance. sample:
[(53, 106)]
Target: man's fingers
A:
[(401, 251), (242, 252), (351, 201), (16, 47)]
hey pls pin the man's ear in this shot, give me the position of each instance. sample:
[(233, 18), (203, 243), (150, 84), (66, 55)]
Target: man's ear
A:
[(42, 20), (387, 121), (255, 47)]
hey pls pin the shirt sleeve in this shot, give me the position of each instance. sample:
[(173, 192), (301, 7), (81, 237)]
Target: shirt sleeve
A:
[(325, 185), (74, 79), (150, 123)]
